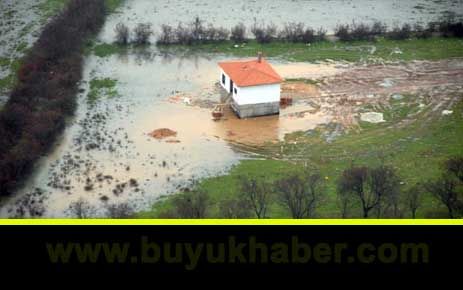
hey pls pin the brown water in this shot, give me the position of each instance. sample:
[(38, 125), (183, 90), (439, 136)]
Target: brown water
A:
[(108, 144)]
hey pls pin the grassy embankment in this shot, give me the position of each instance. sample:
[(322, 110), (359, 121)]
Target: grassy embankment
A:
[(416, 150)]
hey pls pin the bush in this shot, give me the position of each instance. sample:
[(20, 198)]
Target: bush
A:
[(143, 33), (292, 32), (238, 33), (400, 33), (421, 32), (47, 79), (361, 32), (378, 28), (167, 35), (183, 35), (342, 31), (122, 34), (321, 34), (264, 34)]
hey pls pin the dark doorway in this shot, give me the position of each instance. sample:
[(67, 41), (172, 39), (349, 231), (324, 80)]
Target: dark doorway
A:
[(231, 86)]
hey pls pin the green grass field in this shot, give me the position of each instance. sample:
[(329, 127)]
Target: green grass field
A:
[(383, 49)]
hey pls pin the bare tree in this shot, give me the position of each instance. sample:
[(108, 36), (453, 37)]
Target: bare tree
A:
[(345, 200), (238, 33), (354, 180), (413, 199), (448, 189), (235, 209), (120, 211), (197, 29), (454, 166), (384, 183), (264, 34), (258, 195), (81, 209), (122, 34), (300, 194), (143, 33), (167, 35), (445, 191), (192, 205)]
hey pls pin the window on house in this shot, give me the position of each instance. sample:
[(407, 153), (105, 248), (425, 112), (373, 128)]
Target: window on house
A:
[(223, 79), (236, 91)]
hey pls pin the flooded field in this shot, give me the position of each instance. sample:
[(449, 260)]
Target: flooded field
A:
[(316, 13), (20, 24), (107, 155)]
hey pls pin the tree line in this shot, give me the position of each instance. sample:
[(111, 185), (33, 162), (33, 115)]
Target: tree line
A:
[(361, 191), (44, 95), (198, 32)]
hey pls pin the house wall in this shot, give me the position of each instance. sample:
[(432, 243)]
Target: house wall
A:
[(257, 94), (226, 86)]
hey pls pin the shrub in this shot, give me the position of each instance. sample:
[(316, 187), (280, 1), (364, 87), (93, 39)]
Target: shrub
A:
[(183, 35), (400, 33), (293, 32), (342, 31), (378, 28), (47, 79), (167, 35), (264, 34), (361, 32), (321, 34), (421, 32), (122, 34), (143, 33), (238, 33)]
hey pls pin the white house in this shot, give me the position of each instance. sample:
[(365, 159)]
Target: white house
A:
[(254, 85)]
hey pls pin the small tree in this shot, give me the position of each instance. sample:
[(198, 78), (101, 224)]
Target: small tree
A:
[(384, 183), (345, 200), (81, 209), (257, 194), (300, 194), (143, 33), (372, 187), (400, 33), (238, 33), (235, 209), (167, 35), (264, 34), (122, 34), (454, 166), (192, 205), (413, 199), (342, 31), (197, 30), (120, 211), (444, 190)]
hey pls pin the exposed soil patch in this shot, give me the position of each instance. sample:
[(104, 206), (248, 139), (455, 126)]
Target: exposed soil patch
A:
[(163, 133)]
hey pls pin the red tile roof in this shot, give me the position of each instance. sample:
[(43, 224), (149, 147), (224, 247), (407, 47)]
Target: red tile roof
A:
[(251, 72)]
